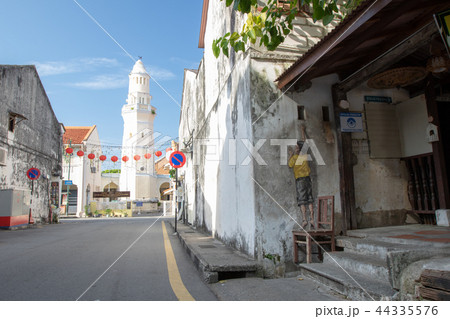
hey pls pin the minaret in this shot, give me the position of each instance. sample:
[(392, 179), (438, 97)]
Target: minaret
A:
[(138, 177)]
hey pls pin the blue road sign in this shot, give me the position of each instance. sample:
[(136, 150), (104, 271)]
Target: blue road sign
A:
[(177, 159), (33, 173), (68, 182)]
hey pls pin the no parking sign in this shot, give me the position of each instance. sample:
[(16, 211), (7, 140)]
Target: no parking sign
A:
[(33, 173), (177, 159)]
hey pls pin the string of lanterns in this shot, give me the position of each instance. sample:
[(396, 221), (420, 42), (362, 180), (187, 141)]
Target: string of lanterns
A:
[(114, 159)]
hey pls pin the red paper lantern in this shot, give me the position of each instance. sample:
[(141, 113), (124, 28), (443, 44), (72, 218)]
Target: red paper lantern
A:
[(168, 149), (137, 157), (91, 156), (69, 150), (80, 153), (102, 157), (125, 159), (148, 155), (114, 159), (158, 153)]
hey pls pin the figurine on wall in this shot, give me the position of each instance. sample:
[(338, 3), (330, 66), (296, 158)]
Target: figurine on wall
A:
[(299, 163)]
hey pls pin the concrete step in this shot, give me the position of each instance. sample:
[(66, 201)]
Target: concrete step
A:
[(370, 246), (355, 286), (365, 265)]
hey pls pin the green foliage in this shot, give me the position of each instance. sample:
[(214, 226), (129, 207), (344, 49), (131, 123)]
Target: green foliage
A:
[(275, 257), (111, 171), (172, 172), (272, 24)]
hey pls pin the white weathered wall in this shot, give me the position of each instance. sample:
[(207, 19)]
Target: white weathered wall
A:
[(277, 210), (380, 184), (413, 120), (36, 141)]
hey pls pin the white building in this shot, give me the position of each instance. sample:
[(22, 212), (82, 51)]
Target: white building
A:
[(30, 137), (138, 173), (224, 118), (85, 174)]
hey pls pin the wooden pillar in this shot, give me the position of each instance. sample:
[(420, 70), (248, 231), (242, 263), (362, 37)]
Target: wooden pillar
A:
[(438, 147), (345, 159)]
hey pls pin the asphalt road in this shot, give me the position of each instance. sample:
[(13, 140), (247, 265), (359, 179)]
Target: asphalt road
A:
[(96, 259)]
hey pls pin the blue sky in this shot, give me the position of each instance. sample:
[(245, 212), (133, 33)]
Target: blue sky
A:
[(85, 74)]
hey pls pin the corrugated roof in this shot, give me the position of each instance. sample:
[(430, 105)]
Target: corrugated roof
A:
[(372, 29), (77, 134)]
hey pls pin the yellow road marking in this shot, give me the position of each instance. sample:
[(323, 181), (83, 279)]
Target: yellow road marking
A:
[(174, 275)]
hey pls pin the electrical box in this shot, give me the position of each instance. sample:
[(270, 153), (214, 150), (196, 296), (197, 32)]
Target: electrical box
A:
[(14, 207)]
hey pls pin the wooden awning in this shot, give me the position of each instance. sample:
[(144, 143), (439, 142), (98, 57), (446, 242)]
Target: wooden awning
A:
[(370, 31)]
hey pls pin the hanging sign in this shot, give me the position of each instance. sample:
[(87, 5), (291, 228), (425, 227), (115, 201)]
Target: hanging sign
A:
[(177, 159), (33, 173), (351, 122), (378, 99), (443, 22)]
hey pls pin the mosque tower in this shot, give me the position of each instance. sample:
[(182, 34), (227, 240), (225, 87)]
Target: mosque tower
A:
[(138, 174)]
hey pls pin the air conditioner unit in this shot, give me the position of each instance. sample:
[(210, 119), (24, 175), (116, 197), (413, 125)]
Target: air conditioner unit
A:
[(3, 154)]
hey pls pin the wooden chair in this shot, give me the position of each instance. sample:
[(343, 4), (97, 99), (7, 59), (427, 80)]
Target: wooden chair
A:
[(323, 232)]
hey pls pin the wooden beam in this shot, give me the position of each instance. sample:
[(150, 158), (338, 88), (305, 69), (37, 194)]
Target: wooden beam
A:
[(201, 41), (439, 279), (438, 147), (345, 163), (434, 294)]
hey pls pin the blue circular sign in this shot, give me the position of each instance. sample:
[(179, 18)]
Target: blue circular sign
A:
[(177, 159), (33, 173)]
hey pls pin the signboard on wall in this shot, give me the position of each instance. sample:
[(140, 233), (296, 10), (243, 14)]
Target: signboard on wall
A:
[(351, 122)]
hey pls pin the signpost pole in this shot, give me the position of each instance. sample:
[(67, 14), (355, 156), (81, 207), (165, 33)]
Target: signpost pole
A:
[(176, 198), (31, 200), (177, 159), (68, 178)]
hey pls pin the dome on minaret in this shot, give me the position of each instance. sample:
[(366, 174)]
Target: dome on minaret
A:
[(139, 68)]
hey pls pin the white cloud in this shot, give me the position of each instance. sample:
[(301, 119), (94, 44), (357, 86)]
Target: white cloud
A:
[(54, 68), (160, 73), (73, 66), (103, 82), (185, 63)]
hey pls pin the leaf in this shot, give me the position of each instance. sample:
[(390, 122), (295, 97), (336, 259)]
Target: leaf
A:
[(318, 13), (229, 2), (225, 51), (215, 48), (239, 46), (251, 33), (234, 36), (245, 6), (327, 19)]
